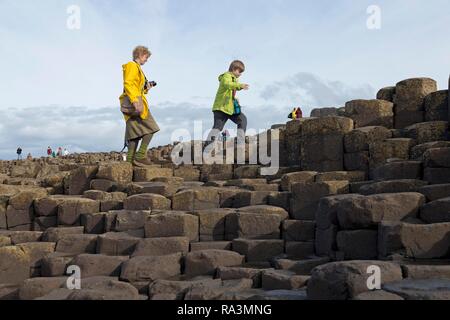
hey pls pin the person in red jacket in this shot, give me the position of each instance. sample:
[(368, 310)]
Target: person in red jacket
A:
[(296, 114)]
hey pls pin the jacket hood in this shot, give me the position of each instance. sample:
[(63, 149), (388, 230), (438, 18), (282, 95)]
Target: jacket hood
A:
[(128, 64), (223, 74)]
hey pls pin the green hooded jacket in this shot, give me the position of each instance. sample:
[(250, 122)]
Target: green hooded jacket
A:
[(224, 96)]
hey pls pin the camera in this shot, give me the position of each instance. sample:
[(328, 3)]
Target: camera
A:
[(151, 83)]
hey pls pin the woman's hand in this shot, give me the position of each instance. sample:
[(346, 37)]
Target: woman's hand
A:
[(245, 86), (139, 106), (149, 85)]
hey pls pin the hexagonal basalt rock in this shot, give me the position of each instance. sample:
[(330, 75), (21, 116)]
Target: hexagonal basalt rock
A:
[(346, 280)]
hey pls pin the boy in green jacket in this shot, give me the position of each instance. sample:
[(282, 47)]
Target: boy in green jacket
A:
[(226, 105)]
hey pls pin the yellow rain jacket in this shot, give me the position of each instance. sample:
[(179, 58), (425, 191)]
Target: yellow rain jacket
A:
[(224, 97), (133, 83)]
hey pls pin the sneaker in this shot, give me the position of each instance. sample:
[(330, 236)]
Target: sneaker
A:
[(142, 162)]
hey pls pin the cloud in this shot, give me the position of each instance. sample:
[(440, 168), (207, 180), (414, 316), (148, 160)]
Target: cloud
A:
[(79, 129), (84, 129), (89, 129), (310, 91), (45, 64)]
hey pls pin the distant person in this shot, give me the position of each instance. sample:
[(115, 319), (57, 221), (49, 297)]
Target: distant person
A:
[(53, 154), (49, 152), (19, 153), (29, 156), (225, 135), (65, 152), (296, 114), (226, 105), (140, 124), (60, 152)]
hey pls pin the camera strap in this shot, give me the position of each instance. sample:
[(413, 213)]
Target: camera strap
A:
[(142, 71)]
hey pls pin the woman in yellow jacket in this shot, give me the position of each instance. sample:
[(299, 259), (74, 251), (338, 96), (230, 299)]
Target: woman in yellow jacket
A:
[(140, 126)]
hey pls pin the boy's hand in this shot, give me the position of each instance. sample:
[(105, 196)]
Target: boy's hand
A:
[(245, 86)]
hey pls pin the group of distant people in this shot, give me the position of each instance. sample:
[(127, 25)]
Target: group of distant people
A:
[(59, 153), (50, 153)]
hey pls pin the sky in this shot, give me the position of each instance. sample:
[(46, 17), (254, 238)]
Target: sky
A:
[(61, 85)]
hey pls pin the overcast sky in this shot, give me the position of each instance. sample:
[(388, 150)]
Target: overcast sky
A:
[(61, 86)]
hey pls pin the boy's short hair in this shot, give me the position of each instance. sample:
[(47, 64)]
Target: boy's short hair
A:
[(140, 51), (237, 64)]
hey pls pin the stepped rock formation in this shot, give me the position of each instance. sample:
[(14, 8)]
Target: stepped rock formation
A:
[(360, 190)]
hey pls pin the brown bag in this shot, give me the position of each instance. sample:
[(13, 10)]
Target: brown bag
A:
[(127, 108)]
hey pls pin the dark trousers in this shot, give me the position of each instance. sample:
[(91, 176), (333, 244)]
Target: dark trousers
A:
[(221, 118)]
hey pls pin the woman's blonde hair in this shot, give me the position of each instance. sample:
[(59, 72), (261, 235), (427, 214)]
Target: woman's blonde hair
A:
[(237, 64), (139, 51)]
